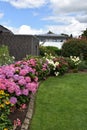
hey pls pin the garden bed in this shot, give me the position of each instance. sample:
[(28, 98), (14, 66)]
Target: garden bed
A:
[(18, 114), (24, 115)]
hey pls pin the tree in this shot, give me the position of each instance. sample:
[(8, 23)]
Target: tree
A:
[(84, 34)]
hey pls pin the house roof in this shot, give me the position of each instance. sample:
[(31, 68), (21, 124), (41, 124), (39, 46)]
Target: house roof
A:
[(52, 35), (5, 30)]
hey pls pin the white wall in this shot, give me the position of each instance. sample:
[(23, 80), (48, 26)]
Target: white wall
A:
[(56, 44)]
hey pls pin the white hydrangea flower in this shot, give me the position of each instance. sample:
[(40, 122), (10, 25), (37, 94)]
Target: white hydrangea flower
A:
[(56, 63), (56, 73), (75, 59)]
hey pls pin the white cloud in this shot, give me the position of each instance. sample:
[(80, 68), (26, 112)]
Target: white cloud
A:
[(69, 16), (67, 6), (26, 3), (82, 18), (1, 15), (67, 24), (24, 29), (74, 28), (63, 19)]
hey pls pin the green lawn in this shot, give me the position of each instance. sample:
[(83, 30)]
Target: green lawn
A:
[(61, 103)]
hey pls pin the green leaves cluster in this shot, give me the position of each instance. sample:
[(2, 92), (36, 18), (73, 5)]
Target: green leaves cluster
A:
[(5, 58), (75, 47), (49, 50)]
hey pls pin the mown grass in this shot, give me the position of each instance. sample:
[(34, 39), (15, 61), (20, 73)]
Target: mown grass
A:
[(61, 104)]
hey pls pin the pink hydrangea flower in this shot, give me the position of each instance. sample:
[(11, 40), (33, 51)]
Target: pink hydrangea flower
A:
[(28, 79), (13, 100), (18, 92), (25, 92), (23, 106), (17, 122), (2, 86), (23, 72), (22, 82), (36, 79)]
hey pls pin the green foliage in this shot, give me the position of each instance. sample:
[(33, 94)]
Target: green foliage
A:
[(82, 66), (49, 50), (84, 34), (5, 106), (5, 58), (5, 123), (22, 99), (75, 47), (28, 57)]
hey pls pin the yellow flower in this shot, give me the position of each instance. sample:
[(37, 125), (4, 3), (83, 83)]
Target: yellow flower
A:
[(0, 96), (2, 92), (5, 128), (6, 95), (1, 105), (7, 102)]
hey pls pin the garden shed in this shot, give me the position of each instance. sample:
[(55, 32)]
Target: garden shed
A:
[(19, 45)]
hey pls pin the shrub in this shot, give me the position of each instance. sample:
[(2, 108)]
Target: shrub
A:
[(41, 66), (5, 58), (75, 47), (82, 66), (49, 50), (57, 65), (73, 63), (63, 65)]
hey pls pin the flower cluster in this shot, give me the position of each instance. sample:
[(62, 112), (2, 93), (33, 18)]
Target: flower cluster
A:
[(19, 78), (57, 65), (17, 122), (4, 102), (5, 105), (63, 65), (76, 60), (42, 69)]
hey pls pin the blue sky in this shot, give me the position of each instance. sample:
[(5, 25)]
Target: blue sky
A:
[(40, 16), (28, 16)]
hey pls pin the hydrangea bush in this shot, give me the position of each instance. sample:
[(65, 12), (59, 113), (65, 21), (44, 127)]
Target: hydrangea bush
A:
[(41, 66), (18, 80), (57, 65), (74, 62)]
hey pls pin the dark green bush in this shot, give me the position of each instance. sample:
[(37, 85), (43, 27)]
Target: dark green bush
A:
[(49, 50), (82, 66), (75, 47)]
